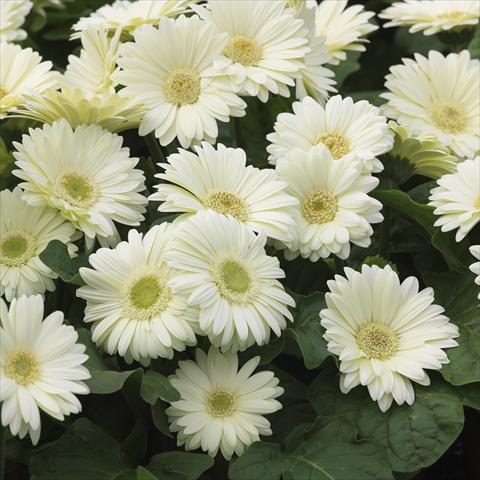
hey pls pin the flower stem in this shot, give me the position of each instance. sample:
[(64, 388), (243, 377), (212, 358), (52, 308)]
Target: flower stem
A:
[(3, 448), (155, 149), (384, 248)]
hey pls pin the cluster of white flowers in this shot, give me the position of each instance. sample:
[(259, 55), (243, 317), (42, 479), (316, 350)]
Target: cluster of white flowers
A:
[(174, 69)]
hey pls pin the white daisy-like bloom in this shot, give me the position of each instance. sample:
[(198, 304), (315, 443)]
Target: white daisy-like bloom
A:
[(128, 16), (265, 48), (40, 365), (334, 209), (355, 130), (25, 231), (457, 199), (438, 95), (92, 71), (343, 27), (385, 333), (222, 407), (135, 310), (424, 152), (184, 95), (231, 281), (12, 17), (432, 16), (22, 72), (108, 110), (85, 174), (475, 267), (219, 179)]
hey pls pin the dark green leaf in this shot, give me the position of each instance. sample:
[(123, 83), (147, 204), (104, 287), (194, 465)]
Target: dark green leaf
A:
[(179, 465), (155, 386), (346, 68), (457, 293), (307, 331), (471, 395), (159, 417), (144, 474), (57, 258)]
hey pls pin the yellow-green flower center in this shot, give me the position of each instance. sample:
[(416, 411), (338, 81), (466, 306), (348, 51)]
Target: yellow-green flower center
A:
[(233, 281), (76, 190), (377, 341), (338, 144), (148, 296), (221, 404), (319, 207), (243, 50), (16, 249), (22, 368), (448, 117), (182, 86), (3, 93), (454, 15), (227, 203)]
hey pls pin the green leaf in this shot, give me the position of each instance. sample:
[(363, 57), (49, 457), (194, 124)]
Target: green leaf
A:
[(84, 451), (307, 331), (457, 293), (156, 386), (414, 436), (144, 474), (345, 68), (471, 395), (179, 465), (474, 47), (56, 257), (267, 353), (261, 460), (160, 418)]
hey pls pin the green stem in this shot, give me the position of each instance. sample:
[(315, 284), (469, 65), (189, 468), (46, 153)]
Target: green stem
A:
[(237, 132), (384, 248), (155, 149), (3, 449)]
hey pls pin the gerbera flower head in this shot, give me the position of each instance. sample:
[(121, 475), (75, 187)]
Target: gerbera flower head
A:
[(185, 97), (438, 95), (40, 365), (134, 308), (343, 27), (109, 110), (128, 16), (432, 16), (475, 267), (385, 333), (25, 231), (265, 48), (424, 152), (457, 199), (334, 209), (219, 179), (22, 72), (92, 71), (12, 17), (222, 407), (230, 280), (85, 174), (354, 130)]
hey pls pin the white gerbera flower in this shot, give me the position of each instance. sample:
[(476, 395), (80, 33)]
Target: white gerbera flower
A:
[(457, 199), (344, 27), (265, 48), (424, 152), (12, 17), (21, 72), (85, 174), (40, 365), (334, 208), (135, 309), (128, 16), (347, 129), (92, 71), (183, 94), (222, 406), (385, 333), (432, 16), (109, 110), (438, 95), (475, 267), (230, 279), (25, 231), (218, 179)]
